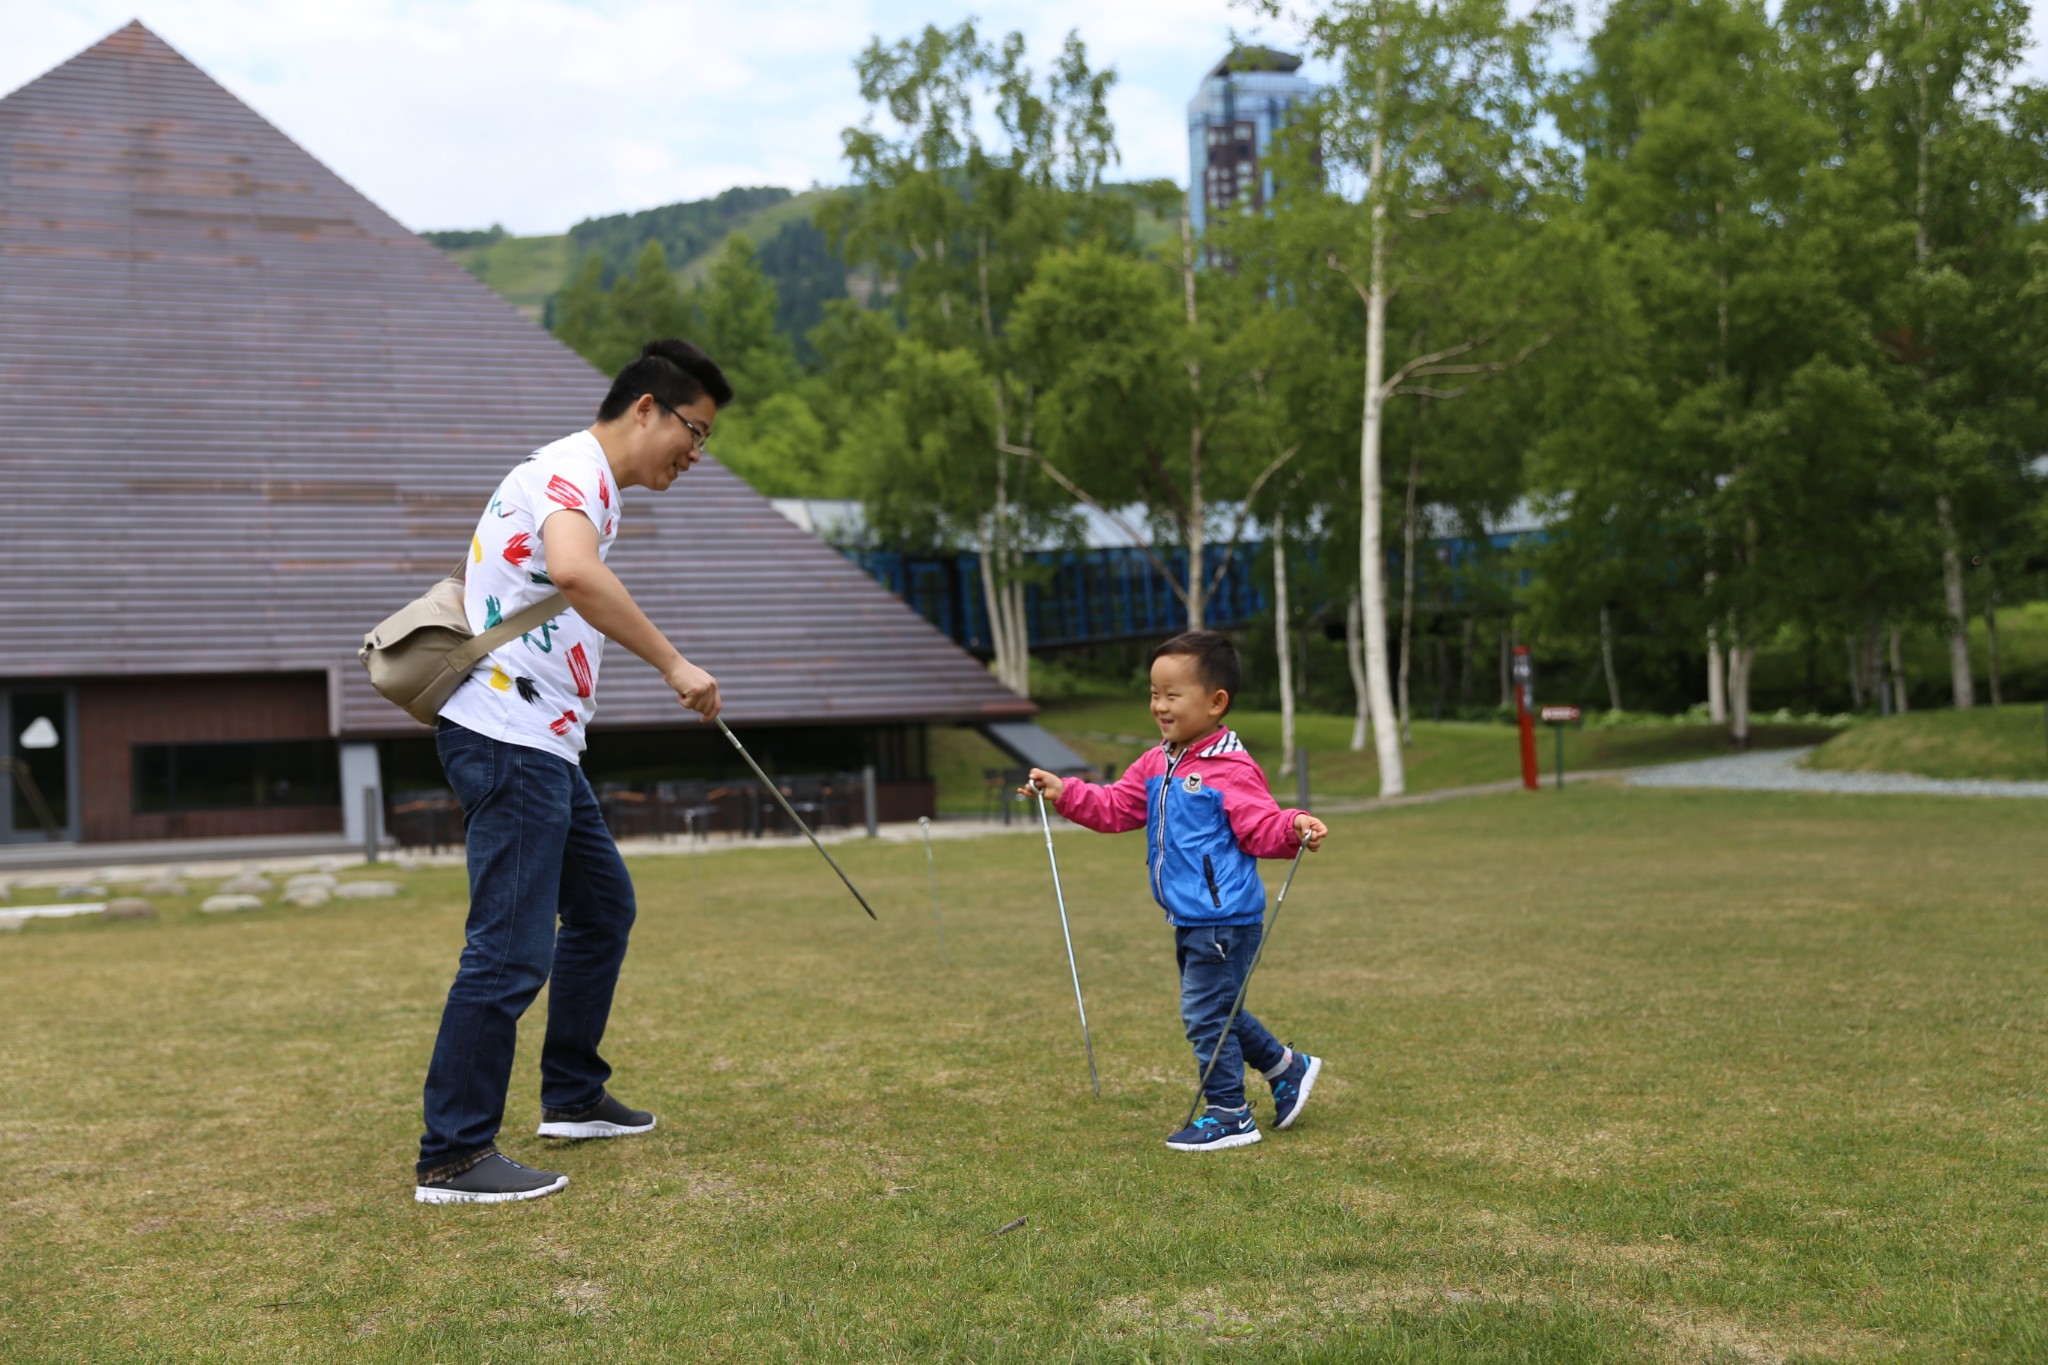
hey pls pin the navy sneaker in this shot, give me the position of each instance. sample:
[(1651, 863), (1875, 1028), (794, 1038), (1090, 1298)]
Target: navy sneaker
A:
[(1292, 1086), (605, 1119), (1216, 1129)]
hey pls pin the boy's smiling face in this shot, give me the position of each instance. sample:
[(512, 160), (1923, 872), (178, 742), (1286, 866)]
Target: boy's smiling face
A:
[(1185, 706)]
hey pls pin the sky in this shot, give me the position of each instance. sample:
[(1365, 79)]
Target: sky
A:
[(539, 113)]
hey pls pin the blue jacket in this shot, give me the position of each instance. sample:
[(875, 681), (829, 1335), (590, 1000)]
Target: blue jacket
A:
[(1208, 817)]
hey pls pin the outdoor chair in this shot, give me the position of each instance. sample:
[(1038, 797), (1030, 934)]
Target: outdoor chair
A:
[(425, 819), (810, 798), (683, 808), (626, 810), (999, 786)]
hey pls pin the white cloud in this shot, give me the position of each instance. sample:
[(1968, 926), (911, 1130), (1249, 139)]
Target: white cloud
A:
[(536, 113)]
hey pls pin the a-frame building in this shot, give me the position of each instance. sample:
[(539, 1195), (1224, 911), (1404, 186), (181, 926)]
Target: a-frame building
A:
[(244, 414)]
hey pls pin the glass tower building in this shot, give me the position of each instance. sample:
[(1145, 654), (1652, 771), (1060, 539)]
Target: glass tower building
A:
[(1231, 122)]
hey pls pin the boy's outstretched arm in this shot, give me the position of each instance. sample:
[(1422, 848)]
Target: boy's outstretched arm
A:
[(1111, 809), (1262, 828)]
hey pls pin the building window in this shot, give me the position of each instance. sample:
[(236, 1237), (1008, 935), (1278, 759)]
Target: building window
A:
[(276, 772)]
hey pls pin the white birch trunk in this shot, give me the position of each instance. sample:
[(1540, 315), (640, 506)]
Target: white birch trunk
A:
[(1354, 654), (1607, 661), (1020, 639), (1717, 688), (1372, 559), (1960, 682), (992, 604), (1740, 659), (1282, 648)]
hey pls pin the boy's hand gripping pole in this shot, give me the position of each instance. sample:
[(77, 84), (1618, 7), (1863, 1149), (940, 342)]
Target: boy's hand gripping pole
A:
[(790, 811), (1202, 1086), (1087, 1042)]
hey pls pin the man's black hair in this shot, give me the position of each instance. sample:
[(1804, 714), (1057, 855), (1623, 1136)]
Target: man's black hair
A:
[(674, 371), (1216, 661)]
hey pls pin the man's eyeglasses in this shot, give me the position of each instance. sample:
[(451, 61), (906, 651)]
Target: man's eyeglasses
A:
[(695, 430)]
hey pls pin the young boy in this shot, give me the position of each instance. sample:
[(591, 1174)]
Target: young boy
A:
[(1208, 818)]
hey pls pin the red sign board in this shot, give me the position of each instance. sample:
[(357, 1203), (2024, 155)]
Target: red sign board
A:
[(1560, 715)]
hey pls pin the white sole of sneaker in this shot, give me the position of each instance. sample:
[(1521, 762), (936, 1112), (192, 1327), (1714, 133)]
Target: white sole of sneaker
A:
[(1308, 1083), (1234, 1140), (598, 1129), (434, 1194)]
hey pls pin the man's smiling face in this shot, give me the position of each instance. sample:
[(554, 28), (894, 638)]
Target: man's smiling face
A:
[(672, 439)]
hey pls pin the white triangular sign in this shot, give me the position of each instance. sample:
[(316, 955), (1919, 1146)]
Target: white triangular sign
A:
[(40, 734)]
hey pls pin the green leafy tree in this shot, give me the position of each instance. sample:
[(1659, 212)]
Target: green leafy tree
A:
[(737, 306)]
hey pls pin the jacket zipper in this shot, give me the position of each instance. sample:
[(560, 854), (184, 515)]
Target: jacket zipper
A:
[(1159, 849), (1209, 871)]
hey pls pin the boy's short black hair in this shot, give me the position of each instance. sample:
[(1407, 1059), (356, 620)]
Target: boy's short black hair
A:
[(674, 371), (1216, 661)]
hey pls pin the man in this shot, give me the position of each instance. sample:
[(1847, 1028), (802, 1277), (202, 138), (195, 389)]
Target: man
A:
[(510, 740)]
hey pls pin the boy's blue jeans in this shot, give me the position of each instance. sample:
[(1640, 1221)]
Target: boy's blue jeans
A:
[(1213, 961), (538, 849)]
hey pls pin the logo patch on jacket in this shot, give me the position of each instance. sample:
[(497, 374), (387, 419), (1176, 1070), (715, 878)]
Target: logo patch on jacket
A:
[(1192, 783)]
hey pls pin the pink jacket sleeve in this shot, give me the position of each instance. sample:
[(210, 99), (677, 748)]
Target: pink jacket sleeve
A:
[(1113, 809), (1262, 828)]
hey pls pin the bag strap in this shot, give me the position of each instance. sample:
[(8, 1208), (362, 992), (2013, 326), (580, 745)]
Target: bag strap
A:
[(465, 657)]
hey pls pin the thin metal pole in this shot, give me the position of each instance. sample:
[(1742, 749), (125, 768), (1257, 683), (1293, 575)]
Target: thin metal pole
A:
[(1046, 821), (1202, 1086), (931, 870), (790, 811)]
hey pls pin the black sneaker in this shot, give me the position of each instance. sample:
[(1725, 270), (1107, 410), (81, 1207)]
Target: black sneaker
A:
[(607, 1118), (497, 1179)]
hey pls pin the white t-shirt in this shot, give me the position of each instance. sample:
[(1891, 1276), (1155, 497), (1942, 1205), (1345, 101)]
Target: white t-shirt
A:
[(538, 690)]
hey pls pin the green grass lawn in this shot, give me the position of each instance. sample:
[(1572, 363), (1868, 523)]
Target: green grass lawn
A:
[(1450, 754), (2009, 742), (1613, 1076)]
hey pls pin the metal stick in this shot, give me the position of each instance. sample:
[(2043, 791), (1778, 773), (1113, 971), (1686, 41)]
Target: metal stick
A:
[(790, 811), (1202, 1086), (1061, 896), (925, 823)]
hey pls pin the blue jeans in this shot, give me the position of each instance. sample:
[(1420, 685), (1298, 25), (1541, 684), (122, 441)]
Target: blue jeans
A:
[(1213, 960), (538, 851)]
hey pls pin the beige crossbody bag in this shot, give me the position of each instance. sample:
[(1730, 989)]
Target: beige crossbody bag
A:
[(419, 655)]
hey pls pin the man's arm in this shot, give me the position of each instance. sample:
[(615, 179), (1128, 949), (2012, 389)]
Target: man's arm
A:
[(600, 598)]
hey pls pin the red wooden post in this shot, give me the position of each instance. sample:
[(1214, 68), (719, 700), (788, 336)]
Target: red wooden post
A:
[(1525, 717)]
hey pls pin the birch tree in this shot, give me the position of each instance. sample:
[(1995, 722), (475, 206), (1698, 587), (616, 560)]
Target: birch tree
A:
[(1430, 123), (1942, 98), (968, 168)]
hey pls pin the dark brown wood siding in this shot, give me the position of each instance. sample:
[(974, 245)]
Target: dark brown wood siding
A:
[(116, 714)]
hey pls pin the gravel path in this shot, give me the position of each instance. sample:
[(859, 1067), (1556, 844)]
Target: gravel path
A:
[(1779, 770)]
